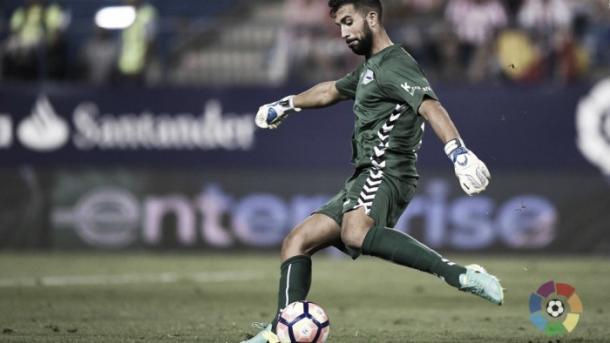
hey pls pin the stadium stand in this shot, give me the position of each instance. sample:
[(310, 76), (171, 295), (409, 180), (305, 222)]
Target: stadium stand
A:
[(237, 42)]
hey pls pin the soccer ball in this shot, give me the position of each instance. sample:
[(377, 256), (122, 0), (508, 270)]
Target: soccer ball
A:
[(554, 308), (303, 322)]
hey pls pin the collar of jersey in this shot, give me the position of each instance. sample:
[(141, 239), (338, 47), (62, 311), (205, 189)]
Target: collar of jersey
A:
[(382, 51)]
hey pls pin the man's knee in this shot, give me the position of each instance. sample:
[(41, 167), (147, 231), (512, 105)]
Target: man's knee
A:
[(356, 224), (304, 239), (316, 232), (293, 244), (353, 236)]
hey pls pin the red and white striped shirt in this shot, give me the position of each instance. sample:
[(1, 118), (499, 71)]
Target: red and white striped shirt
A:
[(475, 21)]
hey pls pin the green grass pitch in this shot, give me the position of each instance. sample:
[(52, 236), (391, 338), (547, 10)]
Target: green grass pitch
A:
[(214, 298)]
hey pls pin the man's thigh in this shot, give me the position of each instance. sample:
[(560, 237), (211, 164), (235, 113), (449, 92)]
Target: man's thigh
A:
[(383, 200), (316, 232), (379, 202), (333, 210)]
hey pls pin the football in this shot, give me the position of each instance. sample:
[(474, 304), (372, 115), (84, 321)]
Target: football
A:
[(555, 308), (303, 322)]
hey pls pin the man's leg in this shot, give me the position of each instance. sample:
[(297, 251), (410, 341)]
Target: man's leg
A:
[(318, 231), (359, 231)]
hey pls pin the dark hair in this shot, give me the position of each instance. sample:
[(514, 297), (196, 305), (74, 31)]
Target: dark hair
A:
[(358, 5)]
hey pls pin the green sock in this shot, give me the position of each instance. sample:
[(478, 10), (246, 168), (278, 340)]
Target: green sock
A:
[(295, 281), (398, 247)]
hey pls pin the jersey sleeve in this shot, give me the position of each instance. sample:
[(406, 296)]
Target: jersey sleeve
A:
[(403, 81), (348, 84)]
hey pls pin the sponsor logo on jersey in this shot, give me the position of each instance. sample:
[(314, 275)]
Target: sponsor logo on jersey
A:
[(412, 89)]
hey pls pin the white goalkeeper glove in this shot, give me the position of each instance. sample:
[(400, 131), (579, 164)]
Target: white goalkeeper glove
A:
[(471, 172), (270, 116)]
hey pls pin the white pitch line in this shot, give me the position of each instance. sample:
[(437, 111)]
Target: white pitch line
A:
[(121, 279)]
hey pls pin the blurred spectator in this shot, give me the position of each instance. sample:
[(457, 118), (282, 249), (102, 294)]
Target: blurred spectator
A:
[(314, 46), (551, 26), (419, 26), (98, 57), (137, 41), (425, 6), (36, 46), (544, 17), (520, 59), (524, 40), (512, 9), (597, 35), (476, 24), (306, 13)]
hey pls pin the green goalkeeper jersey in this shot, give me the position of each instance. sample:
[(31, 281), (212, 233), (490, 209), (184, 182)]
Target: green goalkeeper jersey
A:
[(387, 79)]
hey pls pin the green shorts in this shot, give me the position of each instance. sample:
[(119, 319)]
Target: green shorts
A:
[(383, 197)]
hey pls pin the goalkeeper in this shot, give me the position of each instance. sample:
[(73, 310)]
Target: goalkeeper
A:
[(392, 101)]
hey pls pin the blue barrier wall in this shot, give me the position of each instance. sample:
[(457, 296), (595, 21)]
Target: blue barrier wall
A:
[(186, 168), (513, 128)]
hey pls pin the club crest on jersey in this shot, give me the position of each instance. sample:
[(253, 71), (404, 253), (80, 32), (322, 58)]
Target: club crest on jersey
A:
[(368, 77)]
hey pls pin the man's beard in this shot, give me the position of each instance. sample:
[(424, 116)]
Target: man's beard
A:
[(365, 44)]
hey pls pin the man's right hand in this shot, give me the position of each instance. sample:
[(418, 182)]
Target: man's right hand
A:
[(471, 172), (270, 116)]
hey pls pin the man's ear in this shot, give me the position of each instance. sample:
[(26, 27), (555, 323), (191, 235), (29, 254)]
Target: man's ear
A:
[(372, 19)]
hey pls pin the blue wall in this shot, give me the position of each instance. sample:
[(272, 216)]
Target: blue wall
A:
[(187, 169), (508, 127)]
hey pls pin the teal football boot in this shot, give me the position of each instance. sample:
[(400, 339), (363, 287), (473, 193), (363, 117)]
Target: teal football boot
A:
[(264, 336), (478, 281)]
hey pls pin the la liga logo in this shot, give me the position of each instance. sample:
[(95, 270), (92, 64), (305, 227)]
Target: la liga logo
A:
[(555, 308)]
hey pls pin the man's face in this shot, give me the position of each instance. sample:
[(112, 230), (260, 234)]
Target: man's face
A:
[(354, 29)]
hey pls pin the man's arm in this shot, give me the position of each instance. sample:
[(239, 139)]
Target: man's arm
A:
[(321, 95), (470, 171), (439, 119), (269, 116)]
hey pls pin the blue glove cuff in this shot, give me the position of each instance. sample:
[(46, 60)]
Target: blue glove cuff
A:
[(457, 152), (454, 148)]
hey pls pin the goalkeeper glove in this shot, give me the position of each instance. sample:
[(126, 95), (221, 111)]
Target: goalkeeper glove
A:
[(471, 172), (270, 116)]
